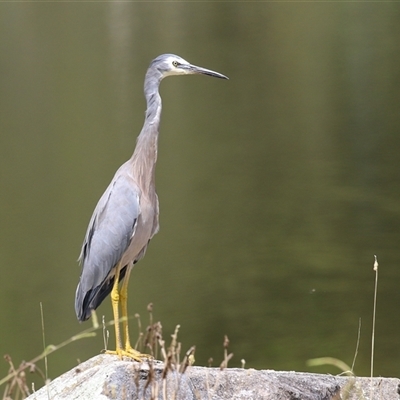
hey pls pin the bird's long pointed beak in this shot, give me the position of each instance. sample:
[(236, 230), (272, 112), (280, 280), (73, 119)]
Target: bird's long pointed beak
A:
[(194, 69)]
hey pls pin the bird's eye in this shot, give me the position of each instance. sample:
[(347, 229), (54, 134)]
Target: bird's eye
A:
[(175, 63)]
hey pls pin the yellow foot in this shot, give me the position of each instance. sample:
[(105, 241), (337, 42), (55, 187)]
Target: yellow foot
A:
[(130, 353), (137, 354)]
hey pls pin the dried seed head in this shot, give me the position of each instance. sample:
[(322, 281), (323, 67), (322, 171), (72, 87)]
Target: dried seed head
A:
[(376, 263), (226, 342)]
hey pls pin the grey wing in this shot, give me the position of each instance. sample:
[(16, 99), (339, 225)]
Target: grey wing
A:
[(108, 236)]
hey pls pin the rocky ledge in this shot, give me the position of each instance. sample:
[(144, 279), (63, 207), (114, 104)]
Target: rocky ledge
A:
[(105, 377)]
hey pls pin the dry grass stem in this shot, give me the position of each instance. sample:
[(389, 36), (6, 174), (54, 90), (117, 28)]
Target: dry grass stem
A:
[(227, 356), (374, 319), (357, 345)]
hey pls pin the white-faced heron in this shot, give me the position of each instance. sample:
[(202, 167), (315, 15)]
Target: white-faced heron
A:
[(126, 216)]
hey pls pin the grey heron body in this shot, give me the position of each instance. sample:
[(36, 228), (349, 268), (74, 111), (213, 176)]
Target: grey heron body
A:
[(126, 216)]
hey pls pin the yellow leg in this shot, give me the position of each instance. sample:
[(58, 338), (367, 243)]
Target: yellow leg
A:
[(121, 297), (124, 308), (115, 303)]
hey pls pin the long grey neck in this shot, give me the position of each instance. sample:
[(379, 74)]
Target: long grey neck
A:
[(145, 155)]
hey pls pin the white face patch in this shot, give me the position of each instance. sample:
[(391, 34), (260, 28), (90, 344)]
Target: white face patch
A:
[(176, 70)]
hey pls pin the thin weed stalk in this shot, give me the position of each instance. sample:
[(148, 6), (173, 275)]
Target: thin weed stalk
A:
[(357, 346), (139, 341), (373, 321), (106, 333), (227, 356), (46, 370)]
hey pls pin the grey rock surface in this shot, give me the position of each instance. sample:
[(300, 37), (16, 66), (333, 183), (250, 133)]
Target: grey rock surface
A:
[(106, 377)]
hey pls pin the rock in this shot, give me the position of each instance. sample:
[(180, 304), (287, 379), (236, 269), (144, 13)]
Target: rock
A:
[(105, 377)]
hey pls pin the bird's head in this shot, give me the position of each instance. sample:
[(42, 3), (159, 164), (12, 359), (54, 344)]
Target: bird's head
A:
[(170, 64)]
